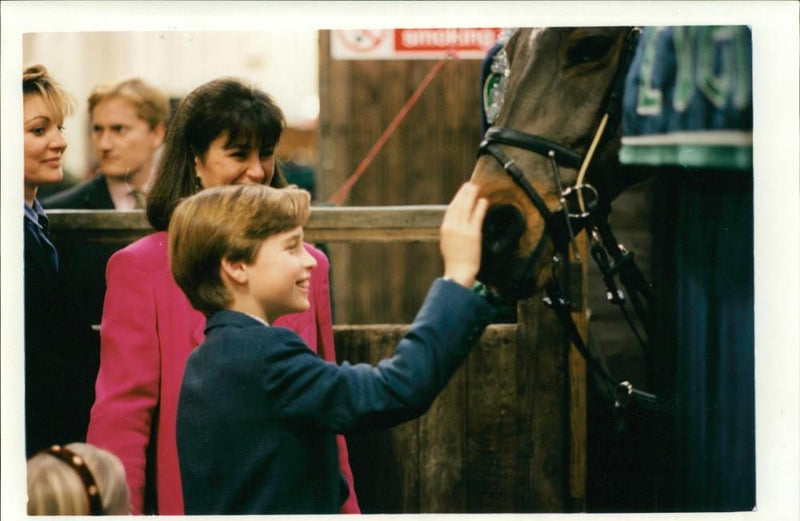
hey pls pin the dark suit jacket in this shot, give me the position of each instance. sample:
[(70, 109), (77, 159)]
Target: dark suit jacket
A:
[(89, 195), (258, 410), (84, 262), (61, 355)]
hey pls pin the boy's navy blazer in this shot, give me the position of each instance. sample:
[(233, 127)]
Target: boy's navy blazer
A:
[(258, 410)]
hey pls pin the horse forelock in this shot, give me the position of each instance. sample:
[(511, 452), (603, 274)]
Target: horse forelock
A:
[(524, 62)]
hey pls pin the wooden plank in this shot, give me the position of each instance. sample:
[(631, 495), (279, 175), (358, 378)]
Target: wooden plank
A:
[(543, 390), (375, 223), (498, 419), (449, 458), (325, 224), (334, 99), (423, 466), (443, 450), (576, 392), (384, 463)]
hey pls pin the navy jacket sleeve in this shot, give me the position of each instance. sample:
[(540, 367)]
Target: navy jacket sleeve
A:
[(343, 398)]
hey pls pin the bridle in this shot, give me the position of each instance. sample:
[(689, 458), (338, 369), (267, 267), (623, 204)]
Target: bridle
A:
[(562, 225), (559, 155)]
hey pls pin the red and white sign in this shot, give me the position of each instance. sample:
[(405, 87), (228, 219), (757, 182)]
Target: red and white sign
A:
[(411, 44)]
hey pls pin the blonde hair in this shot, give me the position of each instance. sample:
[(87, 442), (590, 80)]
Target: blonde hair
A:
[(56, 487), (150, 103), (228, 222), (37, 80)]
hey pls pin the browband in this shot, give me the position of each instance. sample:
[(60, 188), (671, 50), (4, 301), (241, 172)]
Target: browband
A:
[(515, 138), (78, 464)]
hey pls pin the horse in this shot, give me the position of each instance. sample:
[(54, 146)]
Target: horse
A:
[(561, 101), (550, 167)]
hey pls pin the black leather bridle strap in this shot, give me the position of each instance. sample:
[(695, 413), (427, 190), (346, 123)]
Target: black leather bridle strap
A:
[(537, 144), (519, 178), (516, 174), (562, 309), (630, 275), (614, 103), (624, 393)]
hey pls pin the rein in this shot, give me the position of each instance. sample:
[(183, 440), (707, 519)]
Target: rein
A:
[(562, 224)]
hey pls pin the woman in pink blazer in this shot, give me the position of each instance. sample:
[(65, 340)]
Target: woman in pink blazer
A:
[(224, 132)]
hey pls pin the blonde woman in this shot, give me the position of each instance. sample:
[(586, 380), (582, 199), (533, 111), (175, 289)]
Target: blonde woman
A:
[(77, 479), (60, 362)]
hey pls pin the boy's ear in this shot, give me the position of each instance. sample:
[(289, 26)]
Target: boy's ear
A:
[(235, 270)]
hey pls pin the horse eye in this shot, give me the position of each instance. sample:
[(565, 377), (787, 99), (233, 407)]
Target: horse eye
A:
[(589, 49)]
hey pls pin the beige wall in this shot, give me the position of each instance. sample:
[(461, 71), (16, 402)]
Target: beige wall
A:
[(283, 63)]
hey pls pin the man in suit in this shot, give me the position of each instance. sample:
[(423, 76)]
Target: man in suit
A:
[(128, 125)]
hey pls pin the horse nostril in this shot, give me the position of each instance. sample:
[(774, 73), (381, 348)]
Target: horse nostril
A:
[(502, 228)]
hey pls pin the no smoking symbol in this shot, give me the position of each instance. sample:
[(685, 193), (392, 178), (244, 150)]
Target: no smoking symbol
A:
[(362, 40)]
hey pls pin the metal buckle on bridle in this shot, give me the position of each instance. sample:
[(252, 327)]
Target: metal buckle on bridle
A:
[(582, 209), (625, 394), (563, 200)]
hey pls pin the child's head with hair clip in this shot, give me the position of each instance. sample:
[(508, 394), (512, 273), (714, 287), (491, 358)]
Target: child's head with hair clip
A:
[(77, 479)]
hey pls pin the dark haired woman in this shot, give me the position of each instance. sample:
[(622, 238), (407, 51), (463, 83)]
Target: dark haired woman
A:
[(223, 133)]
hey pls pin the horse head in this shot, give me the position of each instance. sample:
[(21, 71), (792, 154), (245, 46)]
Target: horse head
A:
[(559, 84)]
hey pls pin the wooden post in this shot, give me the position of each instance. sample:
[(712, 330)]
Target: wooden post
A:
[(545, 392), (557, 395), (577, 384)]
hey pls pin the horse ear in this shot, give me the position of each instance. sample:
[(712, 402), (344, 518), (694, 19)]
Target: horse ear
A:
[(509, 46)]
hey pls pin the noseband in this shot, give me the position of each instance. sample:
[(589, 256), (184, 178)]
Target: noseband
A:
[(558, 154)]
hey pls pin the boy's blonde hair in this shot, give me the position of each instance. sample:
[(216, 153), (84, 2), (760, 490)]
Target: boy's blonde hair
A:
[(56, 487), (150, 103), (37, 80), (228, 222)]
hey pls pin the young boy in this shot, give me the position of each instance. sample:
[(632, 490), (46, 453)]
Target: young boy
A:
[(258, 410)]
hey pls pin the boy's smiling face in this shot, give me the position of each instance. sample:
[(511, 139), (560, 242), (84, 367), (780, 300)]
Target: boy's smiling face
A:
[(280, 275)]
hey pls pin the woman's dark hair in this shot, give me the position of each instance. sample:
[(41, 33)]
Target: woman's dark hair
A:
[(226, 105)]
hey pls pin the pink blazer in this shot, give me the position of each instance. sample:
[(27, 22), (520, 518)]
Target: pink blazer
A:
[(147, 331)]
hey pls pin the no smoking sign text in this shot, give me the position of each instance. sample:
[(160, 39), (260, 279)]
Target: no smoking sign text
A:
[(411, 44)]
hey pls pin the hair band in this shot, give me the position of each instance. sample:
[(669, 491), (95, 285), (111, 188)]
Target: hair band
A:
[(78, 464)]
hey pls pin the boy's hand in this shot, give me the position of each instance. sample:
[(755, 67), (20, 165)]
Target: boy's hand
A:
[(460, 235)]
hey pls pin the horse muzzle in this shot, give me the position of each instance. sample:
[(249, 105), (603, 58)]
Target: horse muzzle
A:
[(503, 268)]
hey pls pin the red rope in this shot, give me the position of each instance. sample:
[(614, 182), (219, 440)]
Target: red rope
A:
[(342, 192)]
